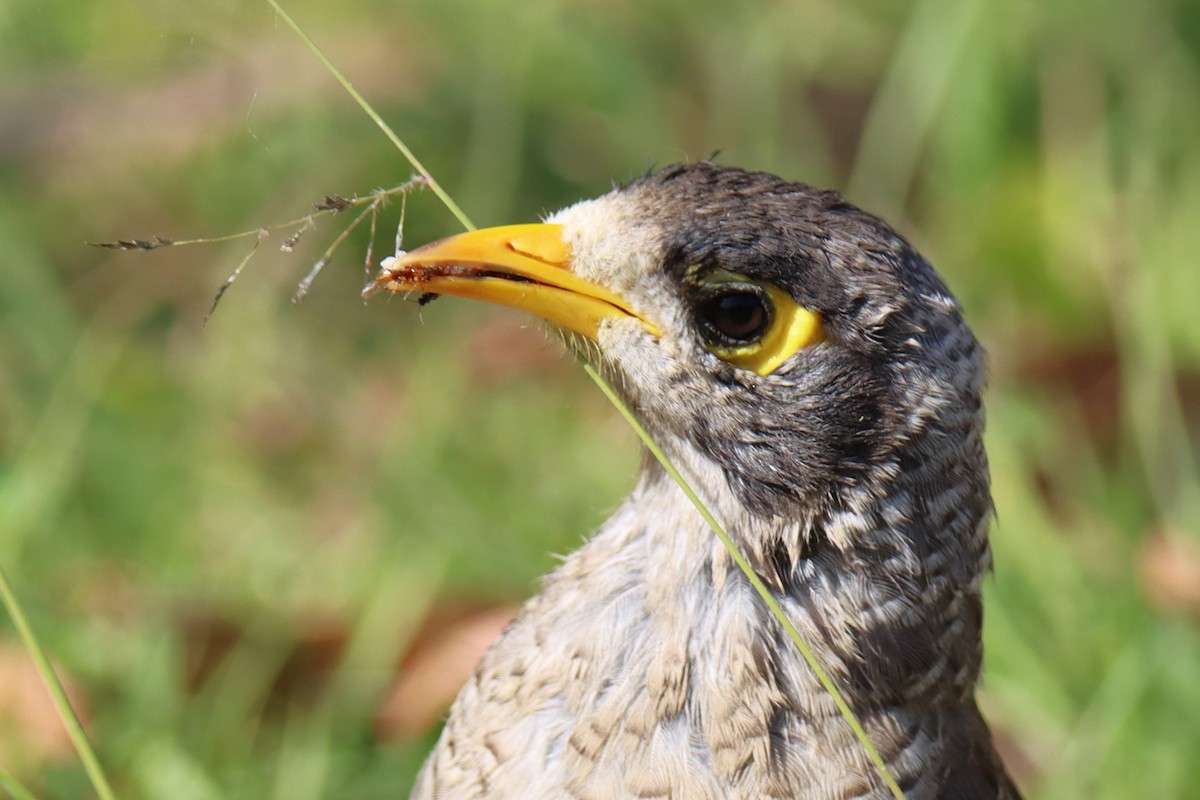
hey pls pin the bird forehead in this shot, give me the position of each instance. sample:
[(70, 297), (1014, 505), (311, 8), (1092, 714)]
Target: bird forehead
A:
[(642, 237)]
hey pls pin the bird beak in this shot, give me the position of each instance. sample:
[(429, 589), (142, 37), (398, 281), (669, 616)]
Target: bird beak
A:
[(522, 266)]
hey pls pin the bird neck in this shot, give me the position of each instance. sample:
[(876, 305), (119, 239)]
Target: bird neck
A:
[(884, 586)]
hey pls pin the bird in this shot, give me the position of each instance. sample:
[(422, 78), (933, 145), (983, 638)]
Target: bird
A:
[(814, 379)]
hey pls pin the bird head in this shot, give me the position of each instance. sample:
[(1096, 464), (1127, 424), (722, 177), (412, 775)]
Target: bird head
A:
[(794, 352)]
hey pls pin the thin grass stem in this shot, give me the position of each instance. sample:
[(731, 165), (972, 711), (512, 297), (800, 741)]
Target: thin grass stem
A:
[(14, 787), (378, 120), (307, 282), (325, 208), (57, 694), (224, 287)]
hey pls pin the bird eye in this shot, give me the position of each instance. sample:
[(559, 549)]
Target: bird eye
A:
[(733, 315), (750, 324)]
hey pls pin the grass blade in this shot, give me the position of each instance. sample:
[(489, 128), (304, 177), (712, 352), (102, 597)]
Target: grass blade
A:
[(11, 785), (57, 694)]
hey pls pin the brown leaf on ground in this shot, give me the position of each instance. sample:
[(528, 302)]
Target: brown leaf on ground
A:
[(1169, 567), (31, 732), (439, 663)]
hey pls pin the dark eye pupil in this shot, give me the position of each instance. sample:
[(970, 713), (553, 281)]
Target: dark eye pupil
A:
[(735, 317)]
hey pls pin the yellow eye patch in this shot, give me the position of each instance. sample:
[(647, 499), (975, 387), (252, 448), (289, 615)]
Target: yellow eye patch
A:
[(752, 325)]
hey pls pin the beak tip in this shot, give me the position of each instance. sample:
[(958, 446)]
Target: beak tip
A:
[(386, 273)]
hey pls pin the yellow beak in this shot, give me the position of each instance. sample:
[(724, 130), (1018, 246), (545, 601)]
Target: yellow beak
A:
[(522, 266)]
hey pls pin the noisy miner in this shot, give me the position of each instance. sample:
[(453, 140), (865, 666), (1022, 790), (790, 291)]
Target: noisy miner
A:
[(812, 377)]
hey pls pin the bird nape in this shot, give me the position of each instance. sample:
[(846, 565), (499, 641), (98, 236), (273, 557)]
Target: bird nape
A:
[(809, 372)]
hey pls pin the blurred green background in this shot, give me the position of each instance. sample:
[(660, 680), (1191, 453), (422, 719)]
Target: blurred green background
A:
[(229, 537)]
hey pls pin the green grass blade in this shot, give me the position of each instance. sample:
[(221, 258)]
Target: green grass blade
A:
[(57, 694), (11, 785)]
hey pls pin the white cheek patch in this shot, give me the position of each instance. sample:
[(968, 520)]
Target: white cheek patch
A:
[(651, 365)]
